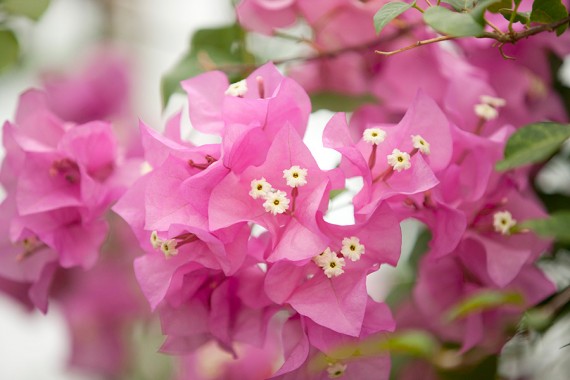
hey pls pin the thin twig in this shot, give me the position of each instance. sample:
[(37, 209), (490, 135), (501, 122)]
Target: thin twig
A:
[(500, 37), (417, 44)]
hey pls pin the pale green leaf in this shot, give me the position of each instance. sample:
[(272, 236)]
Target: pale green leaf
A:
[(533, 143), (389, 12)]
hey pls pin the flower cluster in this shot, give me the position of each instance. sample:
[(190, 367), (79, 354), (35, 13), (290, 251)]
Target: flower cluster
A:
[(240, 253)]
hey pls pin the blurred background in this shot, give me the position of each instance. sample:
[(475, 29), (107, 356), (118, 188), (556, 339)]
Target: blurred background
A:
[(151, 38)]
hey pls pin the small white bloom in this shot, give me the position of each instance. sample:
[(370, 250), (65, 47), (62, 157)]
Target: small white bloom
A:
[(503, 222), (259, 188), (493, 101), (295, 176), (155, 240), (276, 202), (374, 135), (168, 247), (486, 111), (324, 257), (336, 370), (351, 248), (333, 266), (237, 89), (420, 144), (399, 160)]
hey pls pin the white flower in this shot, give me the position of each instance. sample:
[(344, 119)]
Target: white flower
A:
[(486, 111), (493, 101), (399, 160), (276, 202), (237, 89), (155, 240), (503, 222), (420, 144), (374, 135), (324, 257), (259, 188), (295, 176), (351, 248), (336, 370), (333, 266), (168, 247)]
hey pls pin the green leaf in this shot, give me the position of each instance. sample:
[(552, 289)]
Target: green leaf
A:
[(452, 23), (415, 343), (482, 301), (522, 17), (209, 49), (10, 49), (339, 102), (389, 12), (533, 143), (460, 5), (479, 10), (335, 193), (557, 226), (32, 9), (500, 4), (549, 11)]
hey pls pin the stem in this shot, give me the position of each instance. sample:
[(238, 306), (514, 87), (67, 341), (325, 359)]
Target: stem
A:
[(415, 6), (417, 44), (495, 27), (372, 158), (512, 19), (502, 38)]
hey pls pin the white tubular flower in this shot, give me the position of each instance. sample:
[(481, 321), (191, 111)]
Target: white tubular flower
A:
[(336, 370), (503, 222), (420, 144), (333, 266), (486, 112), (276, 202), (399, 160), (351, 248), (324, 257), (155, 240), (493, 101), (237, 89), (295, 176), (168, 247), (373, 136), (259, 188)]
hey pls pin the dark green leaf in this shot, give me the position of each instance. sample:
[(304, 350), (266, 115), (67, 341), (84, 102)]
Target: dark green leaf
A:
[(389, 12), (452, 23), (562, 90), (482, 301), (479, 10), (522, 17), (533, 143), (339, 102), (10, 49), (557, 226), (32, 9), (484, 369), (209, 49), (501, 4), (549, 11)]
